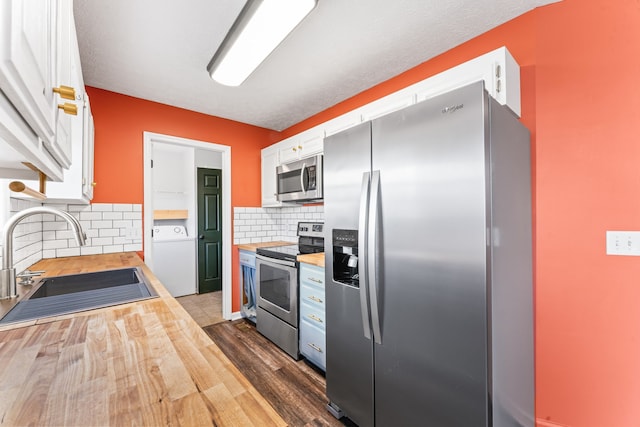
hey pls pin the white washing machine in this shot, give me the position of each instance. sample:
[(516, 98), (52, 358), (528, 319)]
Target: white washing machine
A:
[(174, 259)]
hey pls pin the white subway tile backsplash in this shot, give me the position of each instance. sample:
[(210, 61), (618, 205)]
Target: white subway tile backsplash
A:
[(122, 224), (252, 225), (48, 253), (106, 225), (55, 244), (112, 215), (109, 232), (101, 224), (123, 207), (89, 216), (91, 232), (67, 252), (112, 249), (88, 250), (102, 207), (78, 208), (132, 215), (101, 241)]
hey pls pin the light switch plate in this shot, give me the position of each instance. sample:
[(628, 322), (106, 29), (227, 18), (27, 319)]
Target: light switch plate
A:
[(623, 243)]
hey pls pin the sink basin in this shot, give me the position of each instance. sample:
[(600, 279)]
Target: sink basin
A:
[(77, 292)]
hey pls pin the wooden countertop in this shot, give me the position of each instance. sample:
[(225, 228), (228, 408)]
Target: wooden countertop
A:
[(142, 363), (254, 246), (313, 259)]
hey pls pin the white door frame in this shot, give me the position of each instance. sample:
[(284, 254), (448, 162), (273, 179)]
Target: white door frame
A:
[(149, 139)]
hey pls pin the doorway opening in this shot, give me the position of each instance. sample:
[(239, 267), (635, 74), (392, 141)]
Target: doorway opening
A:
[(171, 198)]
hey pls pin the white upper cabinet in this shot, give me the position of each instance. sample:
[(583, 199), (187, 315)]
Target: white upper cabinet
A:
[(268, 182), (65, 75), (27, 67), (37, 49), (87, 151), (497, 69), (301, 146)]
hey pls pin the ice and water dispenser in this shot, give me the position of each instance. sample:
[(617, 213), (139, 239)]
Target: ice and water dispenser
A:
[(345, 257)]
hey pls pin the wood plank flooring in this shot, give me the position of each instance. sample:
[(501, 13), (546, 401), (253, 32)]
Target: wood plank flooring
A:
[(295, 389)]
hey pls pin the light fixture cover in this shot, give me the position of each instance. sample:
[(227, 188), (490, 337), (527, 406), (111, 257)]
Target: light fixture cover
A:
[(258, 30)]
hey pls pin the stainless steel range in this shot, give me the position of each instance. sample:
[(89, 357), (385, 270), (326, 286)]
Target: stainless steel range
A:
[(277, 286)]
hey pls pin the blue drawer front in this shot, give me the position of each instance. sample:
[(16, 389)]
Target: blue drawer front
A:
[(313, 315), (312, 344), (312, 295), (312, 275)]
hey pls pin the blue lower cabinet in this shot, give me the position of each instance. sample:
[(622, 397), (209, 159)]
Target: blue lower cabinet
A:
[(312, 344), (312, 315)]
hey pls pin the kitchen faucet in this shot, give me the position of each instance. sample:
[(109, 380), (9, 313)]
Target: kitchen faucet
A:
[(8, 273)]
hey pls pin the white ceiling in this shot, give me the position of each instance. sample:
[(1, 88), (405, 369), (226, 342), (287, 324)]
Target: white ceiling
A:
[(159, 49)]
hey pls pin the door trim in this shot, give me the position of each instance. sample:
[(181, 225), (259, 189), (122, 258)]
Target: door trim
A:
[(149, 139)]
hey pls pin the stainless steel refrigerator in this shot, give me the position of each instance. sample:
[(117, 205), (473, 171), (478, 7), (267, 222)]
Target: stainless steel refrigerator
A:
[(429, 266)]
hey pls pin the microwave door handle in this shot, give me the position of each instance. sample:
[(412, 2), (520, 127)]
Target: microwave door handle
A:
[(302, 172), (362, 254)]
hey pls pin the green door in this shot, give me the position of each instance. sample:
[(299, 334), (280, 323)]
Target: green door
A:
[(209, 230)]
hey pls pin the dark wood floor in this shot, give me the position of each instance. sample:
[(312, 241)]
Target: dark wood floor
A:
[(295, 389)]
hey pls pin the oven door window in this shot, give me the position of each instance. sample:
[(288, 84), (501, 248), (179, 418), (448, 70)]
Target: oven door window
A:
[(289, 182), (275, 286)]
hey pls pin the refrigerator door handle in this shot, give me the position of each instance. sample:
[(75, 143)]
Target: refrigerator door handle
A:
[(372, 254), (362, 248)]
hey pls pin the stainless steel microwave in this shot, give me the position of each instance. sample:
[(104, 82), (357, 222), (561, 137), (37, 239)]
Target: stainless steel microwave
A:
[(300, 181)]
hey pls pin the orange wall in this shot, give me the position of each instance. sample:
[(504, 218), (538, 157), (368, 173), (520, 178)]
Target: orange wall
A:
[(580, 64), (588, 178), (119, 125), (580, 60)]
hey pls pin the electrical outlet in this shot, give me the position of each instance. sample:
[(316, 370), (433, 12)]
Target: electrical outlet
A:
[(623, 243)]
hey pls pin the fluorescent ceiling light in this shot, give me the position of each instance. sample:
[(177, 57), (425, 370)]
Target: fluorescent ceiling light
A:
[(258, 30)]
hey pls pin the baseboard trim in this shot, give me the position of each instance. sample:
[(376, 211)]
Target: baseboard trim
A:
[(236, 315)]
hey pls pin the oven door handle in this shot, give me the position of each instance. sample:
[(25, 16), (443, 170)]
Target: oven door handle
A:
[(283, 262)]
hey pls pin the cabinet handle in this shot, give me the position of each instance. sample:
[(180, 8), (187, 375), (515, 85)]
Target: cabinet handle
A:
[(69, 108), (313, 279), (314, 317), (93, 184), (294, 149), (65, 92), (299, 147), (315, 347), (316, 299)]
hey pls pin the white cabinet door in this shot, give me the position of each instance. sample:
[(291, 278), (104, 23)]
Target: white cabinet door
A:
[(311, 146), (300, 147), (87, 151), (26, 62), (65, 75), (288, 152), (268, 182)]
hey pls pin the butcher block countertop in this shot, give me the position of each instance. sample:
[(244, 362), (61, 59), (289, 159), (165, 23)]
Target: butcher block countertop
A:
[(253, 247), (313, 259), (145, 363)]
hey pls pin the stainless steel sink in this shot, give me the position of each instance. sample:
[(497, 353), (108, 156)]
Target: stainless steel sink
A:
[(77, 292)]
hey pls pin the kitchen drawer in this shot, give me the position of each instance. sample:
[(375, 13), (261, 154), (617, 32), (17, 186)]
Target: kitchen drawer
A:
[(312, 275), (312, 295), (313, 344), (313, 315)]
